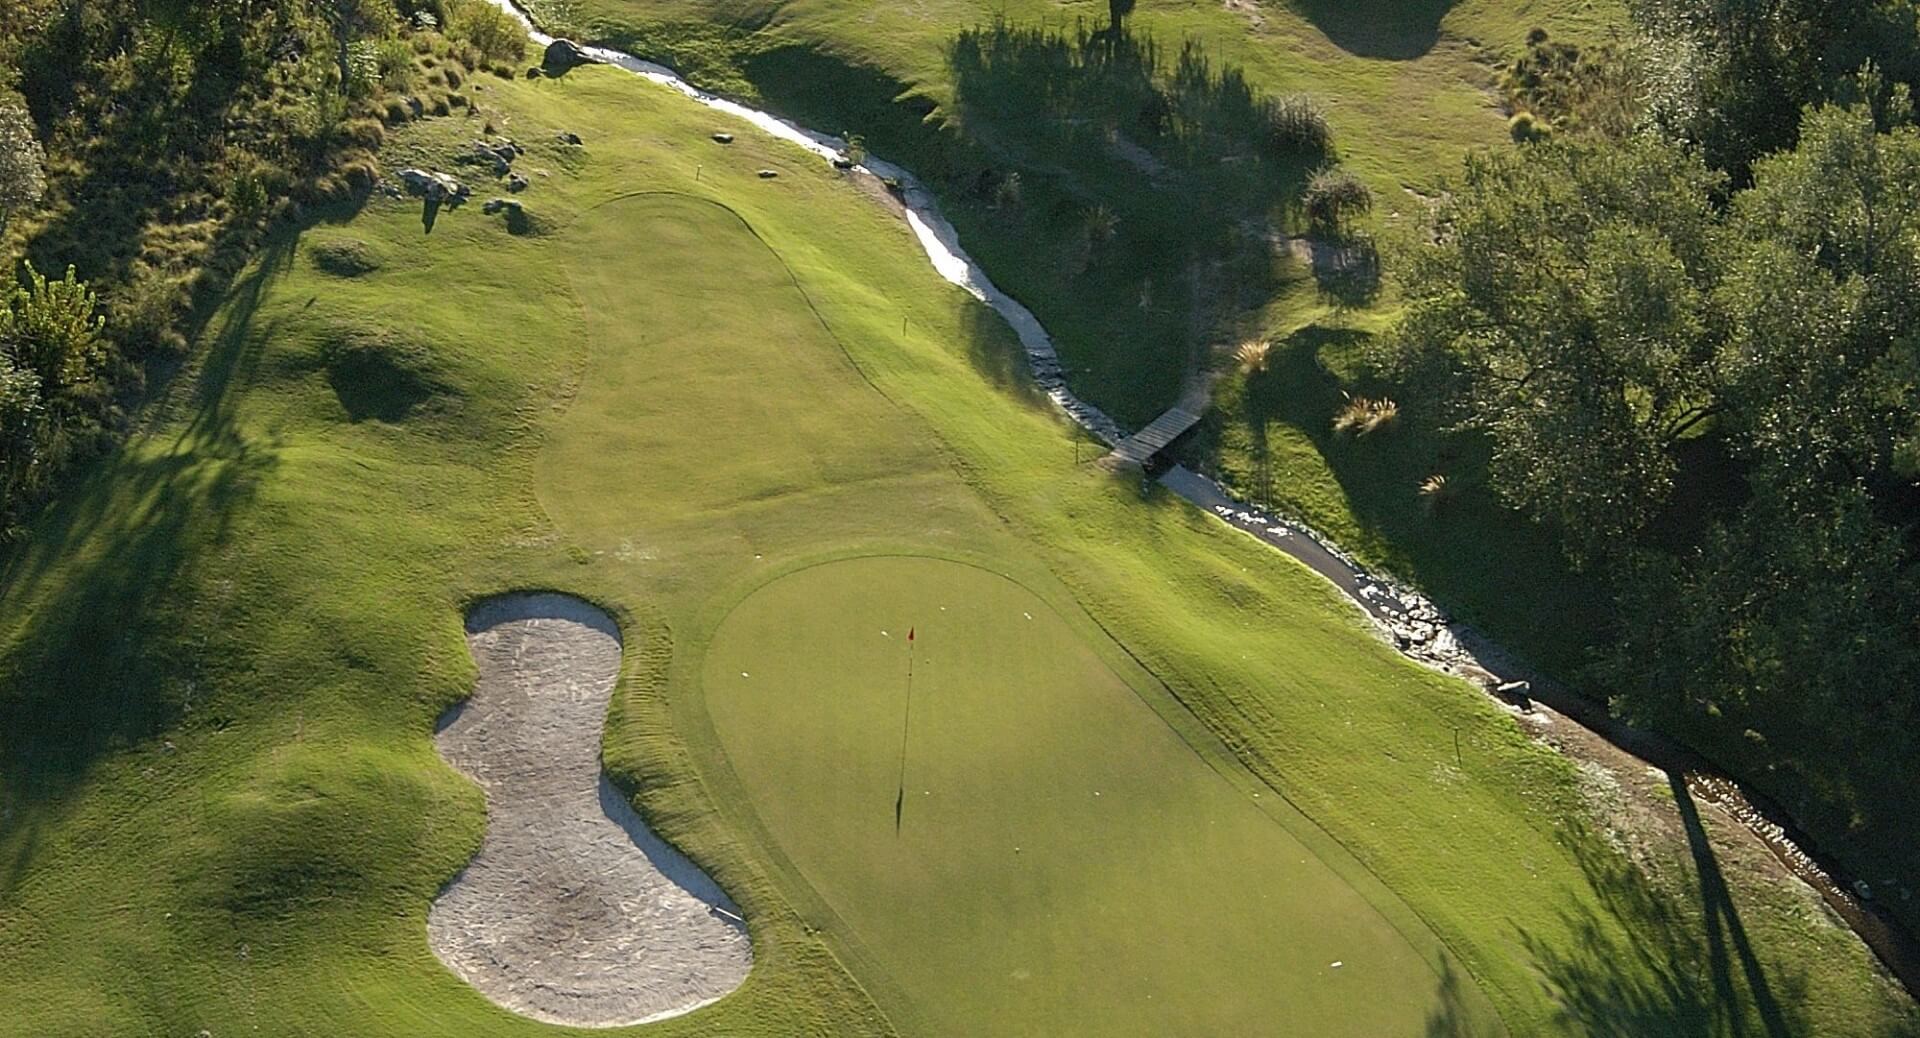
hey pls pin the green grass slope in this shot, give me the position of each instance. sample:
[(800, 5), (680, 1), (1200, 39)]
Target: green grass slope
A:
[(221, 657)]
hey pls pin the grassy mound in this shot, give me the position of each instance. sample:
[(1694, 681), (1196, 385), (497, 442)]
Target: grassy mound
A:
[(344, 257), (380, 374)]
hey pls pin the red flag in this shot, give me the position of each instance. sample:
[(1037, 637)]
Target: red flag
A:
[(909, 634)]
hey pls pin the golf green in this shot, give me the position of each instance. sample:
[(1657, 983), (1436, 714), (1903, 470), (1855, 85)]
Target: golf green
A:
[(1062, 861)]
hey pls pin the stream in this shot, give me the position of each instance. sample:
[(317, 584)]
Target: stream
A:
[(1416, 627)]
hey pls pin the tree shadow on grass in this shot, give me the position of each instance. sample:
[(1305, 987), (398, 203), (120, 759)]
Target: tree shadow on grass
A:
[(1452, 1015), (1482, 561), (1100, 177), (1665, 965), (106, 644), (1089, 171), (1398, 30)]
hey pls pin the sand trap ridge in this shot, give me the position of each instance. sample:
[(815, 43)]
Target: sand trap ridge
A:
[(573, 912)]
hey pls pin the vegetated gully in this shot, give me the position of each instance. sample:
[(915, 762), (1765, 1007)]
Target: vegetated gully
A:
[(1415, 626)]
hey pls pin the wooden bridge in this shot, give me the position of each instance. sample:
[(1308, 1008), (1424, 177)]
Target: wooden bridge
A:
[(1140, 448)]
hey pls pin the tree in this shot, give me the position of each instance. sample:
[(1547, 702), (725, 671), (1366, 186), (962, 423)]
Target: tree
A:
[(51, 329), (1560, 310), (21, 413), (1733, 75), (23, 178), (1117, 11), (352, 20), (1820, 367), (1788, 638)]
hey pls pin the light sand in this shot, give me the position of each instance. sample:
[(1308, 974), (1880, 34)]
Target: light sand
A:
[(573, 912)]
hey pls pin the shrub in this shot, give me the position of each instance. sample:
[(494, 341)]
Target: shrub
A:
[(396, 63), (363, 68), (1333, 198), (492, 32), (246, 194), (1527, 128), (1007, 193), (1363, 415), (1252, 355), (1297, 126)]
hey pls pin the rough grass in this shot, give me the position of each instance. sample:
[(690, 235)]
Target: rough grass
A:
[(222, 656)]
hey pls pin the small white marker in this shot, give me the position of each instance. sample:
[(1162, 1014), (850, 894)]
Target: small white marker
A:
[(884, 634), (743, 673), (1027, 615), (1337, 964)]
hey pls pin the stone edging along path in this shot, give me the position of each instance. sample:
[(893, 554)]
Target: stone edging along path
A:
[(1415, 626), (573, 911)]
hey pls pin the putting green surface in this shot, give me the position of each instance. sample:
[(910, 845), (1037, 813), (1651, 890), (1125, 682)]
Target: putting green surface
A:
[(1064, 861)]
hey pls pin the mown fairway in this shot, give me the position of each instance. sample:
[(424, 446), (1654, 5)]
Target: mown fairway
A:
[(221, 658)]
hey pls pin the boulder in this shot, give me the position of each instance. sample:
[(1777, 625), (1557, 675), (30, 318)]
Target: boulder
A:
[(516, 183), (498, 205), (563, 55), (723, 138), (498, 157), (568, 138), (769, 174), (434, 187)]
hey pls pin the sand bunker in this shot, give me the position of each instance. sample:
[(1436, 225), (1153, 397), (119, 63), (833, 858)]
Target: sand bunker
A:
[(573, 912)]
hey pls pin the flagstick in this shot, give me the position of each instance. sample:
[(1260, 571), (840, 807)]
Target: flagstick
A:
[(900, 797)]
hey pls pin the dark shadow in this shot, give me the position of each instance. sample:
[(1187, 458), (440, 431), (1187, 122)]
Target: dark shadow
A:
[(997, 355), (1649, 964), (119, 648), (1486, 563), (1724, 933), (1451, 1018), (1085, 170), (1399, 30)]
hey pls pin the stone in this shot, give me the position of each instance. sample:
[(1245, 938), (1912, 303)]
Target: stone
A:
[(563, 55), (516, 183), (723, 138), (842, 162), (497, 205), (533, 72), (499, 157), (434, 187), (769, 174), (568, 138)]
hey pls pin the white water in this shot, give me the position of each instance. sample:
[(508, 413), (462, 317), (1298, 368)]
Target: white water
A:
[(930, 227)]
